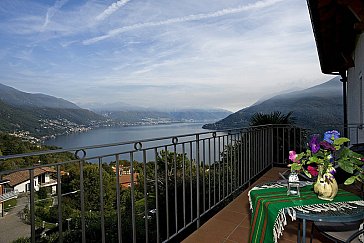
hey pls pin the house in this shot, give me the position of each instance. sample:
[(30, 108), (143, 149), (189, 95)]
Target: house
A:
[(20, 180), (338, 26), (125, 176), (5, 195)]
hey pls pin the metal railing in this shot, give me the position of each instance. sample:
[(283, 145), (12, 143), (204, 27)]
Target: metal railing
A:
[(181, 179)]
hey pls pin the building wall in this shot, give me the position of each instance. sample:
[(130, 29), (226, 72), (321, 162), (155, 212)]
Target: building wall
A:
[(355, 97), (22, 187)]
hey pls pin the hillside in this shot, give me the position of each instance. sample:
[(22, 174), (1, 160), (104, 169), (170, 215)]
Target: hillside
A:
[(312, 107), (18, 98), (46, 121), (42, 115)]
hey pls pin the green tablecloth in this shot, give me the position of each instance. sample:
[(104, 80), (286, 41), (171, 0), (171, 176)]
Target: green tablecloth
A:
[(267, 204)]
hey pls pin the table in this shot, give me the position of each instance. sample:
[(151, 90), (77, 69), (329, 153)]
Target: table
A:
[(270, 206)]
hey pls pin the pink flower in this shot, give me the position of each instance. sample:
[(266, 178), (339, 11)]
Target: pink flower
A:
[(293, 156), (312, 170)]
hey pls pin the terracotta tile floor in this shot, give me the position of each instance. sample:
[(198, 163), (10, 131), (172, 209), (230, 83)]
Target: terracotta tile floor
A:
[(232, 223)]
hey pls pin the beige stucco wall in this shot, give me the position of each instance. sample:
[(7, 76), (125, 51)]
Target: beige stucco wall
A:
[(355, 97)]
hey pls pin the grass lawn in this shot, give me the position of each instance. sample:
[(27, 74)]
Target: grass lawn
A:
[(9, 204)]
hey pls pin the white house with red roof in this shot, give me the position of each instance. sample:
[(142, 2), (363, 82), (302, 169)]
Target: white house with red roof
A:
[(43, 177)]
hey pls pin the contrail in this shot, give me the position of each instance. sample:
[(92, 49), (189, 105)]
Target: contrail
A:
[(111, 9), (52, 11), (194, 17)]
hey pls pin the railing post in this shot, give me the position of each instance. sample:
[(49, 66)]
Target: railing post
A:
[(272, 145), (156, 191), (146, 215), (102, 214), (133, 222), (166, 183), (118, 201), (198, 178), (175, 186), (59, 196), (32, 205), (82, 194), (249, 157)]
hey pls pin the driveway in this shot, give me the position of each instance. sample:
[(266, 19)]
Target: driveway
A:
[(11, 226)]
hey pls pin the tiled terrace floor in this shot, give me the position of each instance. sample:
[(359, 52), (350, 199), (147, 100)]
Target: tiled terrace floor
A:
[(232, 223)]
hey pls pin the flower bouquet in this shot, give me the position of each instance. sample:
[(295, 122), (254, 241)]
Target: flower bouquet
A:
[(323, 157)]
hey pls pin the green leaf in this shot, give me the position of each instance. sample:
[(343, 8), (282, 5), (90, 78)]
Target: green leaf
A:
[(348, 167), (307, 174), (341, 141), (300, 156), (296, 166), (313, 159), (350, 180)]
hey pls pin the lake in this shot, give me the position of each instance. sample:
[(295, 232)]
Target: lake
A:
[(123, 134)]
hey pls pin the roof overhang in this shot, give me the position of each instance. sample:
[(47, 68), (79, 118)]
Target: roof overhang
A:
[(4, 182), (336, 24)]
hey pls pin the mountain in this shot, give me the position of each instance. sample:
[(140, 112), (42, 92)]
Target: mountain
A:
[(157, 115), (18, 98), (42, 115), (312, 107)]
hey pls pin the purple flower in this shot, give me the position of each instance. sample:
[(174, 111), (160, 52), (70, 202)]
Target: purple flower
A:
[(332, 171), (330, 136), (314, 144), (326, 145)]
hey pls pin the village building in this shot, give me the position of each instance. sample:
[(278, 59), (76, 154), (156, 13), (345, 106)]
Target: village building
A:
[(125, 176), (43, 177)]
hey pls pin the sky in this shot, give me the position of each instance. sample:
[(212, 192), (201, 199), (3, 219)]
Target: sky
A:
[(158, 53)]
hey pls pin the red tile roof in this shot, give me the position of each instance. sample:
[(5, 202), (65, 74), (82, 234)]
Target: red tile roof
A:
[(21, 176), (125, 180)]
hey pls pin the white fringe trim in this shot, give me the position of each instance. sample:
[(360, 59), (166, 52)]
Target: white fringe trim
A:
[(338, 206), (281, 221)]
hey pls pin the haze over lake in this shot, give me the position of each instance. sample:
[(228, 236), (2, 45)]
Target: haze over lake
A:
[(123, 134)]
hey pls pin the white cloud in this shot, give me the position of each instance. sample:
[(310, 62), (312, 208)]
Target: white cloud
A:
[(227, 58), (193, 17), (111, 9), (52, 11)]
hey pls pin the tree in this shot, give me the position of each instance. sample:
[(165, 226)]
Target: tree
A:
[(275, 117), (284, 138)]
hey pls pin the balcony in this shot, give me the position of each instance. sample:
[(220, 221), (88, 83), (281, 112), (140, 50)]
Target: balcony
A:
[(8, 194), (189, 187), (51, 182), (232, 223)]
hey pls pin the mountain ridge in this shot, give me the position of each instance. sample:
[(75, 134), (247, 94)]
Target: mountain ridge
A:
[(314, 106), (19, 98), (44, 115)]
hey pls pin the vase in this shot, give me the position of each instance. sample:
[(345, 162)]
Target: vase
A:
[(325, 186)]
